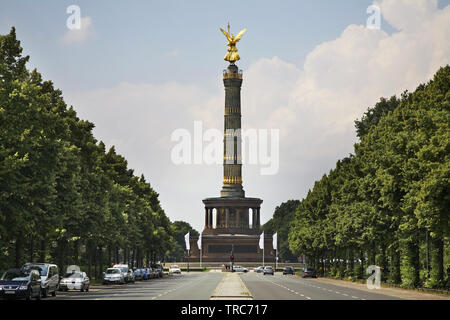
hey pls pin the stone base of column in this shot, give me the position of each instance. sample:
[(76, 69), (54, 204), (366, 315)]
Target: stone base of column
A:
[(232, 191)]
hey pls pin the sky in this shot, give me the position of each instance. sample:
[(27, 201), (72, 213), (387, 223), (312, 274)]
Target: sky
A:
[(139, 70)]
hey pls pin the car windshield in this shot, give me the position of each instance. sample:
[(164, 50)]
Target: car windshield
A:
[(124, 269), (174, 267), (110, 271), (310, 269), (15, 276), (268, 267), (42, 269), (72, 275)]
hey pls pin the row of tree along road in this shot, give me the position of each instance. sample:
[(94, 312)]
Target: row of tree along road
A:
[(64, 198), (387, 204)]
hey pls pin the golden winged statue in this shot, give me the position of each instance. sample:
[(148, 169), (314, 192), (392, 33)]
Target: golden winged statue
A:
[(232, 55)]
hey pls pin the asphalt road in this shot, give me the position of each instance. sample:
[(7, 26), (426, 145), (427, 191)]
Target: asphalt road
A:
[(288, 287), (200, 286), (186, 286)]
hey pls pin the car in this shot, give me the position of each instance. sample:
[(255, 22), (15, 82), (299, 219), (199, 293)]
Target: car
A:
[(159, 269), (268, 270), (113, 275), (138, 274), (127, 275), (131, 277), (74, 280), (309, 272), (19, 283), (288, 270), (146, 273), (174, 269), (49, 276), (154, 273), (239, 269), (258, 269)]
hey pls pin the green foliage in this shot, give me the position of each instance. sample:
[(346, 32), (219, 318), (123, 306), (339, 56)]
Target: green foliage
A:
[(179, 229), (280, 223), (388, 199), (63, 197)]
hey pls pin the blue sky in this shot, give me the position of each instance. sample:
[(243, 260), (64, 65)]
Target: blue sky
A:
[(142, 69), (134, 39)]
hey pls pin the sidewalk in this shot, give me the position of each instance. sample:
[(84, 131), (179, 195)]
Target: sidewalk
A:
[(231, 288), (394, 292)]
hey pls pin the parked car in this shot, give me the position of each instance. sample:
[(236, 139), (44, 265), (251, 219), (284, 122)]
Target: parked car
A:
[(309, 272), (268, 270), (19, 284), (174, 269), (239, 269), (131, 277), (159, 268), (146, 273), (258, 269), (288, 270), (125, 271), (75, 281), (113, 275), (138, 274), (49, 276), (155, 273)]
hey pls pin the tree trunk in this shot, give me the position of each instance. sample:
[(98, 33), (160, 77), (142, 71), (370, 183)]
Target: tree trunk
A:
[(395, 270), (76, 252), (383, 263), (351, 258), (437, 262), (372, 254), (133, 257), (19, 252), (410, 261), (100, 262), (43, 251), (361, 271)]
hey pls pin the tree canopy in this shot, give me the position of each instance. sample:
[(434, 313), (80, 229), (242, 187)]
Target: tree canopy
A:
[(388, 203), (64, 198)]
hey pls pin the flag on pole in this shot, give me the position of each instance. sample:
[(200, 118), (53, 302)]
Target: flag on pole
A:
[(186, 239), (261, 241), (275, 241), (199, 242)]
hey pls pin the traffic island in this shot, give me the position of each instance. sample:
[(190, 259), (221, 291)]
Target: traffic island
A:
[(231, 288)]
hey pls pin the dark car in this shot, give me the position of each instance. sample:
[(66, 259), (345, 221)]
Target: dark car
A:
[(309, 272), (288, 270), (20, 284)]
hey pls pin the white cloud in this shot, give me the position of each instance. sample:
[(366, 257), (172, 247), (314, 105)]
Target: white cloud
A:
[(314, 106), (85, 32)]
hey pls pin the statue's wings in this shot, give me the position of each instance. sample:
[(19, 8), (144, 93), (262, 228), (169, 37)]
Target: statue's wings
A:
[(239, 35), (226, 34)]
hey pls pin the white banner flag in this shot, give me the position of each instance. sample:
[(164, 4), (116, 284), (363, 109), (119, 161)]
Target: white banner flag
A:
[(186, 239), (275, 241), (261, 241), (199, 242)]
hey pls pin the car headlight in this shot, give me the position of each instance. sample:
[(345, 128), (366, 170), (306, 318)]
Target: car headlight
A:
[(23, 287)]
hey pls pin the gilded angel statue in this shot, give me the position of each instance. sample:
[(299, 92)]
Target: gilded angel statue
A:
[(232, 55)]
